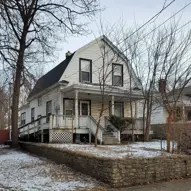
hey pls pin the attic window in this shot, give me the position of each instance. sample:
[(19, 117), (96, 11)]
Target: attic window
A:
[(117, 75), (85, 70)]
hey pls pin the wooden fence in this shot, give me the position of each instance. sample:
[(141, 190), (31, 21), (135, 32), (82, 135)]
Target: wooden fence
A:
[(4, 135)]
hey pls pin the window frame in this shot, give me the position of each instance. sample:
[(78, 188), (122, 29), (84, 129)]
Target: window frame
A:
[(39, 100), (32, 114), (113, 65), (64, 110), (39, 119), (23, 119), (79, 106), (48, 113), (80, 70), (116, 102)]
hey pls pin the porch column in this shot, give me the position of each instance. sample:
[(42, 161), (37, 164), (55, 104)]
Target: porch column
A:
[(76, 109), (77, 139), (61, 104), (135, 109), (112, 105), (183, 111)]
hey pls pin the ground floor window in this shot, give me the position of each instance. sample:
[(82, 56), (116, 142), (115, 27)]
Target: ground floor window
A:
[(68, 107), (48, 110), (85, 107), (23, 118), (32, 114), (118, 109)]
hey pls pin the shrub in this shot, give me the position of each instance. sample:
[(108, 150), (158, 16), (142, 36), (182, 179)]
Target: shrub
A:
[(121, 123)]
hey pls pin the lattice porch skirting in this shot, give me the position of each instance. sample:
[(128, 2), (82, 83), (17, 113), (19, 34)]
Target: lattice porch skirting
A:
[(57, 136)]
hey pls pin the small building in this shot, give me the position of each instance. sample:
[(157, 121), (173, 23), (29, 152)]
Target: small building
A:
[(179, 101), (65, 104)]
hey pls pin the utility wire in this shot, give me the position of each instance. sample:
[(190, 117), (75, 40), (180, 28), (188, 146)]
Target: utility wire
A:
[(156, 15)]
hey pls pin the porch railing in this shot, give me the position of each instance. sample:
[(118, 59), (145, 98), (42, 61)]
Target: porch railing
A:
[(34, 126), (61, 121), (84, 122), (138, 124), (115, 131)]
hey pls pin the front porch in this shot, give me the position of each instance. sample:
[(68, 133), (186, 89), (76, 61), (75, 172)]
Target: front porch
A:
[(78, 111)]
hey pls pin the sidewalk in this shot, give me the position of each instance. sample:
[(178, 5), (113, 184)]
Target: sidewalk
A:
[(174, 185)]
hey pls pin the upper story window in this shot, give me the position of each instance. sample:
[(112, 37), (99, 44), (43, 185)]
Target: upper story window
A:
[(48, 110), (39, 100), (32, 114), (117, 75), (85, 70), (23, 118)]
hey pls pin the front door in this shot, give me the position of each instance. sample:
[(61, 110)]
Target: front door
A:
[(84, 108)]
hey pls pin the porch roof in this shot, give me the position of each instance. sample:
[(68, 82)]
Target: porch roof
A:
[(108, 91)]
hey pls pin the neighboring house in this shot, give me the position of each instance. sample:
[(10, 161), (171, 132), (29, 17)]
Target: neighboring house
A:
[(66, 102), (182, 111)]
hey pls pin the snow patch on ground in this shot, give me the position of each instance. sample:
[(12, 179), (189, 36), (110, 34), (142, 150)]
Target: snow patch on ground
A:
[(20, 171), (138, 149)]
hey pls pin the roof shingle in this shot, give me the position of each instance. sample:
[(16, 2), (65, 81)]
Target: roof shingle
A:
[(50, 78)]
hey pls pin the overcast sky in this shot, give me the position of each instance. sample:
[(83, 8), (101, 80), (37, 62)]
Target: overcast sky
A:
[(128, 11)]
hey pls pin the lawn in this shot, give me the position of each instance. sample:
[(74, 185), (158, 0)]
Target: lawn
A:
[(138, 149), (23, 172)]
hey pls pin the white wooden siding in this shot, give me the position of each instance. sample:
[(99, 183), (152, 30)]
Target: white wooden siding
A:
[(95, 111), (127, 109), (159, 115), (92, 51), (53, 95)]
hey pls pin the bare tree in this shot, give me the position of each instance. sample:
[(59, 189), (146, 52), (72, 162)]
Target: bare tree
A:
[(30, 30), (175, 73), (104, 73)]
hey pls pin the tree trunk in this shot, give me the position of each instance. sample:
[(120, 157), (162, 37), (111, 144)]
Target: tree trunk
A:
[(148, 123), (133, 125), (168, 137), (147, 129), (98, 123), (144, 108), (97, 130), (16, 94), (15, 107)]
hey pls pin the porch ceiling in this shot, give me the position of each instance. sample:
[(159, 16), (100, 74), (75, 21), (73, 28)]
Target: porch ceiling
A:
[(91, 91)]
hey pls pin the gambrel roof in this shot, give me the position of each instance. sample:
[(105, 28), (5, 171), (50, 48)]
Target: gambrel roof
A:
[(50, 78), (53, 76)]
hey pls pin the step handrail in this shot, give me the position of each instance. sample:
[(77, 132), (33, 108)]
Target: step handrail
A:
[(38, 119), (110, 123), (116, 132), (100, 126)]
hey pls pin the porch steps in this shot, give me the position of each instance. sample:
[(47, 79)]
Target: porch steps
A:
[(109, 139)]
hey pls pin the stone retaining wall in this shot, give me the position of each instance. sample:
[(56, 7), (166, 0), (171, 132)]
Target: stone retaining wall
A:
[(118, 172)]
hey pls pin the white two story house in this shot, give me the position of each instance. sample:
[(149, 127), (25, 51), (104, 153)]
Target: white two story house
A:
[(65, 103)]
